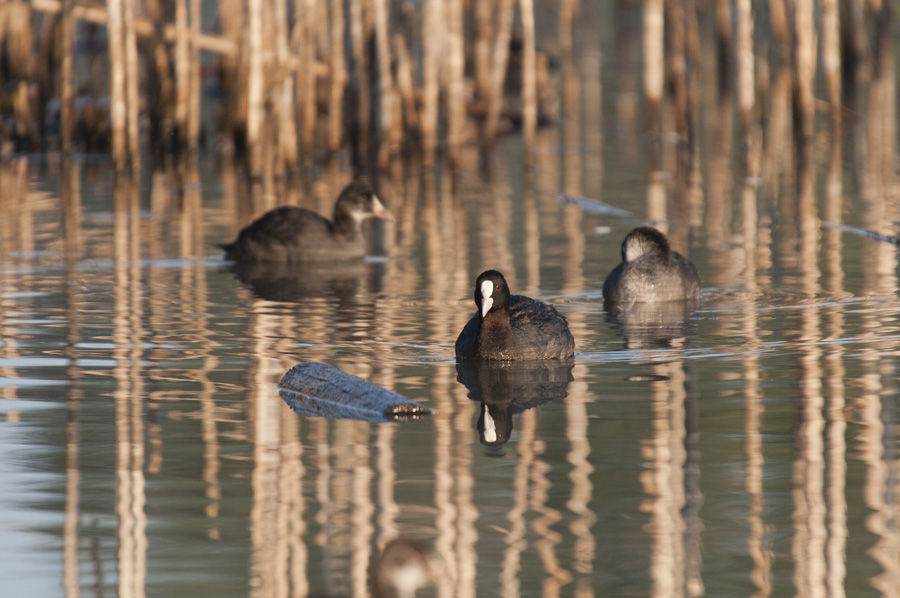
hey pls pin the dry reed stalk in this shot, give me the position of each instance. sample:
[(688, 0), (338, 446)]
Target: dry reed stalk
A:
[(484, 27), (255, 92), (117, 100), (745, 64), (359, 75), (338, 78), (831, 56), (780, 28), (500, 57), (306, 75), (132, 94), (571, 99), (233, 113), (454, 79), (724, 44), (654, 60), (804, 68), (405, 84), (389, 128), (853, 38), (529, 85), (193, 120), (284, 83), (182, 71), (432, 48), (66, 93), (693, 55), (676, 65)]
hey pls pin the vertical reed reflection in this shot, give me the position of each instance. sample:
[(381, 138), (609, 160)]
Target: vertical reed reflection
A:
[(836, 456), (515, 537), (467, 512), (582, 489), (665, 458), (129, 393), (71, 200), (443, 219), (877, 445), (548, 539), (16, 235), (810, 509), (753, 399)]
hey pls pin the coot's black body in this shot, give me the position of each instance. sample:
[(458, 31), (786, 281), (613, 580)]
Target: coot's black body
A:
[(292, 234), (512, 327), (650, 272)]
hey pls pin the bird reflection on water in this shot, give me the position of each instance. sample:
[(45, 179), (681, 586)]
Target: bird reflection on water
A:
[(294, 281), (505, 389)]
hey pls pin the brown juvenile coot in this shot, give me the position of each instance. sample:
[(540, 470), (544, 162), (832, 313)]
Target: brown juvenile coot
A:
[(292, 234), (512, 327), (650, 272)]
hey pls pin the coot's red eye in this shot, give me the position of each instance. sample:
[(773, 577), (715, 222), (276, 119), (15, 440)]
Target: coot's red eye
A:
[(498, 286)]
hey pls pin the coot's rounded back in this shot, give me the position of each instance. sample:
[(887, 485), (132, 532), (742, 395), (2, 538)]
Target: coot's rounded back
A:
[(650, 272)]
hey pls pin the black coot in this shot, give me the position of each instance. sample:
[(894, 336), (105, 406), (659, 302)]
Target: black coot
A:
[(292, 234), (650, 272), (512, 327)]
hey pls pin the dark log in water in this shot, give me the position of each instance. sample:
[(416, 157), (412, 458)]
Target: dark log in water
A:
[(320, 390)]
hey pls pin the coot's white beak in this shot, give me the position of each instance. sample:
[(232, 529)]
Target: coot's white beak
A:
[(379, 210), (487, 287), (490, 427)]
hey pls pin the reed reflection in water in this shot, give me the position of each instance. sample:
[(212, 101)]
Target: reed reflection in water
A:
[(747, 448)]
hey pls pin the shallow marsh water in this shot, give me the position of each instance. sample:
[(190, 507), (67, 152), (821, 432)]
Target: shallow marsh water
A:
[(749, 450)]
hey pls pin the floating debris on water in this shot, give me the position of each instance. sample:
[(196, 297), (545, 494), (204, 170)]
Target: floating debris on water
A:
[(319, 390)]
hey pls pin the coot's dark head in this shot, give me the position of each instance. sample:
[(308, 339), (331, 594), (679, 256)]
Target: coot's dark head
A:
[(359, 202), (491, 292), (645, 240)]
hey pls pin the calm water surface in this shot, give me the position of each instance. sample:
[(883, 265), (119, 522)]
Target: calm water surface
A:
[(750, 449)]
